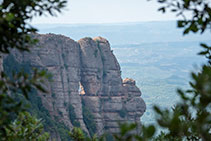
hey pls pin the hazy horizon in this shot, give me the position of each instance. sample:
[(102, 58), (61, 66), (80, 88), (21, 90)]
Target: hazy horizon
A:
[(123, 33), (115, 22)]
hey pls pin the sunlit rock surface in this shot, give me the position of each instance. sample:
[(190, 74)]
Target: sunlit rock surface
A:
[(85, 72)]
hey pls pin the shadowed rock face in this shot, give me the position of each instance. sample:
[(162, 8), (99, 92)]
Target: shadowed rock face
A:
[(85, 72)]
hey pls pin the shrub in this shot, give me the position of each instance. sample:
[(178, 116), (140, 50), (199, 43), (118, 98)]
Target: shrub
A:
[(88, 119)]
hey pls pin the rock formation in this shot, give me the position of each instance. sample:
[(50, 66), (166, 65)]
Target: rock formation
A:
[(86, 75)]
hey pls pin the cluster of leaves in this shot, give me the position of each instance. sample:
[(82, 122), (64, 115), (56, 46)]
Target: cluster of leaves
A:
[(20, 83), (14, 16), (196, 14), (26, 127), (128, 132), (15, 34), (78, 135), (88, 119), (34, 103), (190, 119), (38, 109), (206, 52)]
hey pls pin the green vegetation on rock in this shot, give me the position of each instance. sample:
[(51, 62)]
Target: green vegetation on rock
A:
[(88, 119), (72, 116), (16, 33), (34, 103)]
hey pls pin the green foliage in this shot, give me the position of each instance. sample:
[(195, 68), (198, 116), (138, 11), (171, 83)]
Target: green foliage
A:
[(88, 119), (200, 10), (125, 132), (191, 118), (72, 116), (14, 27), (15, 33), (17, 83), (206, 52), (62, 130), (26, 127), (132, 131), (37, 108), (77, 134), (12, 66)]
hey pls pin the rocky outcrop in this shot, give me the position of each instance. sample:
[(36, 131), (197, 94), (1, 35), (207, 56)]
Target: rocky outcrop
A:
[(86, 76)]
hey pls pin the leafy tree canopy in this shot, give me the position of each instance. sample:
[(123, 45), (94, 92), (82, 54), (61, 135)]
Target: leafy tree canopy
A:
[(195, 14), (15, 31), (14, 21), (26, 127)]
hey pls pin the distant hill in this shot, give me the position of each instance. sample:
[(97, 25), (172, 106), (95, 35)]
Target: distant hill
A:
[(124, 33)]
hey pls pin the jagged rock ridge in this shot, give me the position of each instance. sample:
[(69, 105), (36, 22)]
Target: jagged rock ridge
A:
[(85, 73)]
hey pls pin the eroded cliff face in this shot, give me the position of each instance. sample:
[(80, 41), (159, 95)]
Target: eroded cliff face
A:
[(86, 76)]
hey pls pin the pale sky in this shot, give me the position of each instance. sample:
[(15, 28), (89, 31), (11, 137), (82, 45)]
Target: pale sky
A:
[(107, 11)]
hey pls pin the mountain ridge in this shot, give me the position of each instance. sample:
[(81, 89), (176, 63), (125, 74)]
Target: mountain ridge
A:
[(103, 97)]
